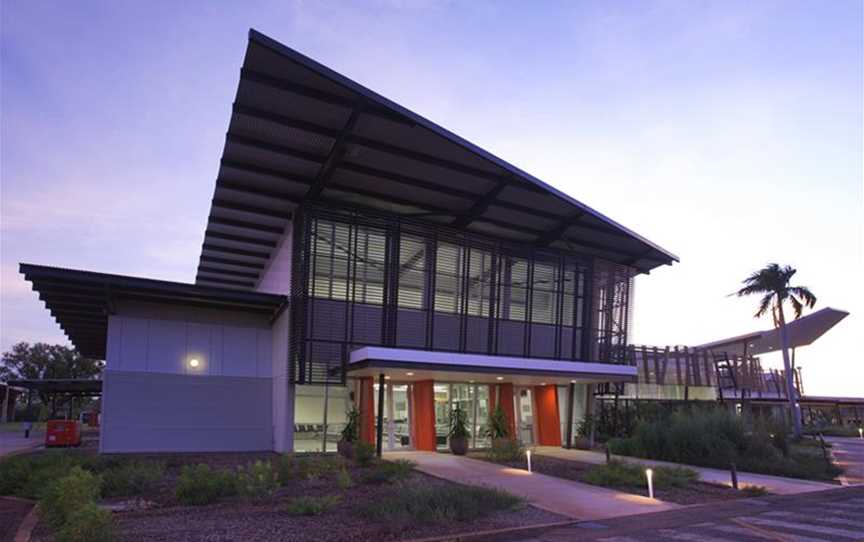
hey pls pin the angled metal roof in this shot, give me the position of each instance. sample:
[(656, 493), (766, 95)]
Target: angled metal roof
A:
[(299, 132), (80, 301), (801, 332)]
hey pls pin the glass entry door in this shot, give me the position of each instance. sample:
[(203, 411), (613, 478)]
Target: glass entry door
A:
[(397, 416), (474, 400), (524, 407)]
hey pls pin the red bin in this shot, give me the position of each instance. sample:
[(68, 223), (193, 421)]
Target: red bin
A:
[(62, 433)]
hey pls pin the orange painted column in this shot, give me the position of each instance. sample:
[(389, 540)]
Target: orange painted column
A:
[(506, 399), (366, 405), (423, 416), (547, 417)]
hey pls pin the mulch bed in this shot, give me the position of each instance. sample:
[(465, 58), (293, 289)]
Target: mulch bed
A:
[(12, 513), (694, 493), (267, 521)]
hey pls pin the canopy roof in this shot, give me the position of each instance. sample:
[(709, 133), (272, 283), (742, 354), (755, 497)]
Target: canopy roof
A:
[(300, 132), (80, 301), (801, 332), (71, 386)]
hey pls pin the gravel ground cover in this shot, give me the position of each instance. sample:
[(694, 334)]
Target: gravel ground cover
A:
[(693, 493), (12, 513), (269, 520)]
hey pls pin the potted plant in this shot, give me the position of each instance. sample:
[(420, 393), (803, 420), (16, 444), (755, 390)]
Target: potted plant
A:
[(583, 433), (350, 434), (498, 429), (459, 433)]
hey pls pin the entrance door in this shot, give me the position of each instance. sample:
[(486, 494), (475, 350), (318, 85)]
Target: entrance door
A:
[(397, 416), (524, 407)]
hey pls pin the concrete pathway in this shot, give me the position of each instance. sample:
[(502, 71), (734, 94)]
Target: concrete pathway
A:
[(849, 454), (14, 442), (835, 515), (774, 484), (565, 497)]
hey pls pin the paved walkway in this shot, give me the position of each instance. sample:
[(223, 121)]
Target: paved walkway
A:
[(14, 442), (774, 484), (849, 454), (835, 515), (565, 497)]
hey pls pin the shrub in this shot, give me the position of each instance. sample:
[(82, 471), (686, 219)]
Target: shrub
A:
[(257, 480), (199, 485), (67, 494), (505, 450), (621, 474), (88, 523), (308, 467), (615, 474), (311, 506), (716, 438), (440, 503), (390, 471), (364, 453), (343, 479), (131, 478)]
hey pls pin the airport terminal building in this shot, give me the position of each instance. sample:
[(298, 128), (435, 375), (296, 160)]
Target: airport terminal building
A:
[(357, 253)]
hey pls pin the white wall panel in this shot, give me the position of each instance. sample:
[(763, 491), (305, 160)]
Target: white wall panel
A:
[(166, 347), (240, 351), (199, 346), (162, 412), (133, 345)]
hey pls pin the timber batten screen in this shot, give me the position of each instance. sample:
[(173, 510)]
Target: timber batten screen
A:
[(375, 279)]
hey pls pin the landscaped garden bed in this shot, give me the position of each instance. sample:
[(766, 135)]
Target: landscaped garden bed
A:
[(716, 438), (262, 497), (677, 485)]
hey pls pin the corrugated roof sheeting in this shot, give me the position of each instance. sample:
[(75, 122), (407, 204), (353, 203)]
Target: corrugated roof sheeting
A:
[(300, 132)]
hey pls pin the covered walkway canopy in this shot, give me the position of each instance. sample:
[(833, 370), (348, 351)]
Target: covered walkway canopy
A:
[(412, 365), (801, 332), (80, 301), (75, 387), (300, 132)]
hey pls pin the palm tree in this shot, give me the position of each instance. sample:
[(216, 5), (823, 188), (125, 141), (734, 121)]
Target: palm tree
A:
[(772, 283)]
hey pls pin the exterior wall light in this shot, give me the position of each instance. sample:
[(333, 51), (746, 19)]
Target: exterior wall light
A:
[(194, 363)]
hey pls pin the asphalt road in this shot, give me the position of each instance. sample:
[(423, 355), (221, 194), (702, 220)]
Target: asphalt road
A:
[(835, 515)]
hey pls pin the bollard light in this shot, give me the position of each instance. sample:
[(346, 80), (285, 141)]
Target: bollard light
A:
[(528, 455), (860, 432), (649, 474)]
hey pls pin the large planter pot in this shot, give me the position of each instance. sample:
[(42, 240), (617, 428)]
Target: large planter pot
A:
[(345, 449), (459, 445), (582, 443)]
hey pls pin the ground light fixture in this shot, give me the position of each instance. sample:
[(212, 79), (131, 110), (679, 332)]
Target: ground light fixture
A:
[(194, 363), (649, 475), (528, 455)]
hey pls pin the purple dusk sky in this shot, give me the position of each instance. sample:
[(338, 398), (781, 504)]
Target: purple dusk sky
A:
[(728, 132)]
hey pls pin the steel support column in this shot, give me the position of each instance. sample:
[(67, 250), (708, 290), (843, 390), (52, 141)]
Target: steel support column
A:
[(379, 434), (571, 392)]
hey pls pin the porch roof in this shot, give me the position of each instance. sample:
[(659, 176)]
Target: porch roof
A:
[(411, 365)]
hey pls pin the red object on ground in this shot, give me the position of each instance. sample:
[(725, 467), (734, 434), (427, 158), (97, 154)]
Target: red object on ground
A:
[(547, 418), (62, 433), (424, 416)]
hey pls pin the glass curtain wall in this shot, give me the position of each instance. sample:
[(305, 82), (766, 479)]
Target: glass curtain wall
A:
[(381, 280)]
